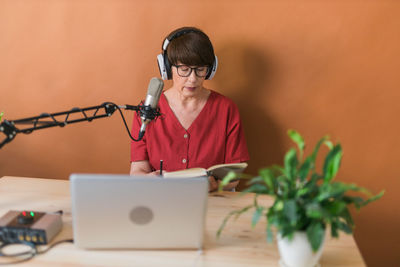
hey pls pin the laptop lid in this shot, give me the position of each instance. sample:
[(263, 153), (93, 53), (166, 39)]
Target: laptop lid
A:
[(122, 211)]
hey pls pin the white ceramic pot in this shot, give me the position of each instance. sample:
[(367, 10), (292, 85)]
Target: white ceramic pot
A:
[(298, 251)]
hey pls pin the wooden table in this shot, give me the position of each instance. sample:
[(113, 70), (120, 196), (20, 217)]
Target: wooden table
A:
[(239, 245)]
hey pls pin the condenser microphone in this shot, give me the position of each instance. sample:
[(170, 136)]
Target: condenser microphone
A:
[(150, 104)]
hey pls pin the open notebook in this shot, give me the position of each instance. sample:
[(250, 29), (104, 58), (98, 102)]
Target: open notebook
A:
[(218, 171)]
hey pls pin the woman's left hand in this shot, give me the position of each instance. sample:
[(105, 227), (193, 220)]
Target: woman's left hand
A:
[(213, 184)]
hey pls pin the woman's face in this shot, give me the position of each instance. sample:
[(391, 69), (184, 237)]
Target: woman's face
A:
[(187, 86)]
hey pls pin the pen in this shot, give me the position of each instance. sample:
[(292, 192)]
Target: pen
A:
[(161, 163)]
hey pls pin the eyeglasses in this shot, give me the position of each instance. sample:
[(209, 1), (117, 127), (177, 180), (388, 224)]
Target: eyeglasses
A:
[(185, 71)]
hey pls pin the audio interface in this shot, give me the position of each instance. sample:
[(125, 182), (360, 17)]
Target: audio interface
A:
[(29, 226)]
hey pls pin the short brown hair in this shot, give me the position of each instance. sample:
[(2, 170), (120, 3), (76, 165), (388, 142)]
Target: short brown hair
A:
[(192, 48)]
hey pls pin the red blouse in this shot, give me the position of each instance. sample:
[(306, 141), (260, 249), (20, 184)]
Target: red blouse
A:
[(215, 137)]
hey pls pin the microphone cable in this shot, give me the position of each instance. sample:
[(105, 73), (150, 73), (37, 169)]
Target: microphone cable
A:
[(123, 119), (154, 114)]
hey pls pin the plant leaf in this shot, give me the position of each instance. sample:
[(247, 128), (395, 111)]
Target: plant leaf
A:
[(256, 216), (298, 139), (227, 179), (302, 191), (344, 227), (332, 163), (231, 176), (315, 235), (268, 177), (314, 210), (237, 213), (334, 229), (338, 189), (283, 186), (333, 190), (329, 144), (278, 205), (257, 188), (270, 235), (347, 217), (291, 164), (335, 207), (356, 201), (316, 149), (305, 168), (254, 180), (1, 115), (278, 169), (378, 196), (290, 211)]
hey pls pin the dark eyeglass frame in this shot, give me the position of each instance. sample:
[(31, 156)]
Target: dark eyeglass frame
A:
[(191, 69)]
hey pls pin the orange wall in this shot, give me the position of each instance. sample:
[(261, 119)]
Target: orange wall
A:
[(321, 67)]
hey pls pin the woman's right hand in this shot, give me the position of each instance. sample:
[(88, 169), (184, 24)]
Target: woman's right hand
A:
[(154, 173), (140, 168)]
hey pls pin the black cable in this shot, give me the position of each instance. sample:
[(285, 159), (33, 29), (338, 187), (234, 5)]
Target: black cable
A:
[(155, 114), (123, 119)]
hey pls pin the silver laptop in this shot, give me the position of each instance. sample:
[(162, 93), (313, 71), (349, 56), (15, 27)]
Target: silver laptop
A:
[(122, 211)]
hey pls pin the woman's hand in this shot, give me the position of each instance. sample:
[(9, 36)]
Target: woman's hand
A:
[(212, 184), (140, 167), (154, 173), (143, 168)]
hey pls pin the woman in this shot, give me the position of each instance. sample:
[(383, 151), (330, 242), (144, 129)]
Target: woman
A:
[(198, 127)]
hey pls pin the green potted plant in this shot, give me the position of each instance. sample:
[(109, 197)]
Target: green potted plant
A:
[(305, 203), (1, 115)]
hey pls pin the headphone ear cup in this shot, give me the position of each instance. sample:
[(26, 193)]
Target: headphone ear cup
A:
[(167, 66), (161, 67), (213, 69)]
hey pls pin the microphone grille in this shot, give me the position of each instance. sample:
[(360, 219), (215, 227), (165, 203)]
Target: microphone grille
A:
[(154, 92), (155, 87)]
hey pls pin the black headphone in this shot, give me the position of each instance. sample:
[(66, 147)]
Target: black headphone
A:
[(165, 66)]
